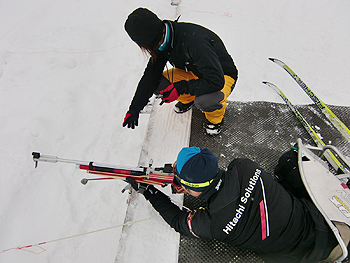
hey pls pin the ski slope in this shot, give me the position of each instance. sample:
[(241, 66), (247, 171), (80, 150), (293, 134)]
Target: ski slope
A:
[(68, 72)]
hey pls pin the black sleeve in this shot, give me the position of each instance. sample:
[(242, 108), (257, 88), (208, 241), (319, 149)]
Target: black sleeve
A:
[(171, 213), (184, 222), (147, 84), (200, 223)]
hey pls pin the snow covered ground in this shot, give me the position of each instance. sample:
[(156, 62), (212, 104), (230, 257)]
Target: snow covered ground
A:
[(68, 72)]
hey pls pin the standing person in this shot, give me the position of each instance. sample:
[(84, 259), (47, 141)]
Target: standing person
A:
[(247, 208), (203, 72)]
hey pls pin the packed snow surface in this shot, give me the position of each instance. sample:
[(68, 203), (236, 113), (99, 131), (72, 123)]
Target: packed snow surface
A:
[(68, 72)]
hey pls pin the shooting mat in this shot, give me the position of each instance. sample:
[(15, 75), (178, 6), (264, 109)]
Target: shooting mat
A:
[(261, 131)]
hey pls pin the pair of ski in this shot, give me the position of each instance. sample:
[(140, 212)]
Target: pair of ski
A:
[(338, 124)]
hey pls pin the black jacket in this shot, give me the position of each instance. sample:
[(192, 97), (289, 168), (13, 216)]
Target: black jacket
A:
[(248, 209), (194, 48)]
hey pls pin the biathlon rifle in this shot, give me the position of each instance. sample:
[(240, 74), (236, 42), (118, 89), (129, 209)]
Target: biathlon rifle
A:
[(162, 176)]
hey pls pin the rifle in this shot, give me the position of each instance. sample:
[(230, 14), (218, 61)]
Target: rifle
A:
[(162, 176)]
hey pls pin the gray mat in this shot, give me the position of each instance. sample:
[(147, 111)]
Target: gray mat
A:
[(261, 131)]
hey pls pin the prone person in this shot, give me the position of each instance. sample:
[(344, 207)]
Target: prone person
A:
[(247, 208)]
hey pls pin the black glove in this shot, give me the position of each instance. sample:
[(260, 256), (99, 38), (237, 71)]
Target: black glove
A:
[(147, 190), (131, 119)]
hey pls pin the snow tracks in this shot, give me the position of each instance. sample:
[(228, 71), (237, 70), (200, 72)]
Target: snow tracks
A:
[(166, 134)]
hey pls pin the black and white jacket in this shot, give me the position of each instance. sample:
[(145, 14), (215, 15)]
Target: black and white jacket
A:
[(248, 209)]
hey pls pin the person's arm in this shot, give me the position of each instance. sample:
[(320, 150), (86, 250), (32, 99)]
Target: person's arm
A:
[(148, 83), (171, 213), (188, 223), (145, 88)]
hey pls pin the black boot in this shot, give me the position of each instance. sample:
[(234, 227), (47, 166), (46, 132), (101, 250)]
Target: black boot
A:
[(182, 108), (212, 129)]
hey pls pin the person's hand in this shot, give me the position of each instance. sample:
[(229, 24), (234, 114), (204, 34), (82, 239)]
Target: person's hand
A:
[(147, 190), (169, 94), (131, 120)]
